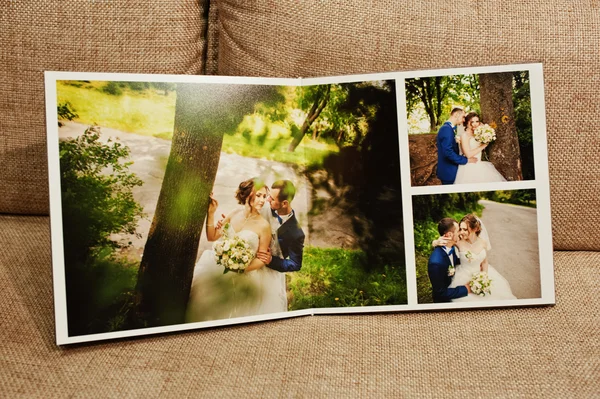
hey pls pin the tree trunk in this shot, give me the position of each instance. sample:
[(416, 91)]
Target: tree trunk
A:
[(202, 114), (432, 96), (314, 112), (497, 110), (315, 133)]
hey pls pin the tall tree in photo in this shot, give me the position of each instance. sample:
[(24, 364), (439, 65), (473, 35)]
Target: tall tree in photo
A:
[(203, 114), (318, 97), (497, 110)]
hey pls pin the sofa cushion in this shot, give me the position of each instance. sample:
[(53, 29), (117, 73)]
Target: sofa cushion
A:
[(80, 35), (308, 38), (527, 352)]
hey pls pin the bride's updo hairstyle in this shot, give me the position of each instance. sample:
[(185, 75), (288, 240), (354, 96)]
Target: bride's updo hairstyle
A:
[(468, 118), (247, 189), (472, 222)]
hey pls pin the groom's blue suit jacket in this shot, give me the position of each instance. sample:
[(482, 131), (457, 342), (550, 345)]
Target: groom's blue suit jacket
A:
[(448, 157), (437, 268), (291, 241)]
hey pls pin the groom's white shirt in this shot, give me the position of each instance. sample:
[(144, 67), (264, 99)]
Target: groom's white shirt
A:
[(284, 218)]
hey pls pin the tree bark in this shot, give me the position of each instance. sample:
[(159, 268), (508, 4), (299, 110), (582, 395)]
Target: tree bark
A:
[(314, 112), (202, 115), (315, 133), (497, 110)]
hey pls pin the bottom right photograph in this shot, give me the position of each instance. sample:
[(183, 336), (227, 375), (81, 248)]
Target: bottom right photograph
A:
[(476, 246)]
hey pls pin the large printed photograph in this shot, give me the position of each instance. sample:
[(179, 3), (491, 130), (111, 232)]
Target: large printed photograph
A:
[(200, 202)]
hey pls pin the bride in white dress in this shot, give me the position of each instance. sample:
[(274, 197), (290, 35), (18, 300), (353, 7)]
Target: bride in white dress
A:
[(473, 246), (215, 295), (480, 171)]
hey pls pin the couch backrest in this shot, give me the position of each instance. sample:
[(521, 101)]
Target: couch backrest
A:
[(318, 38)]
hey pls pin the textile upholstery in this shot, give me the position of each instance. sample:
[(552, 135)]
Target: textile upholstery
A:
[(526, 352)]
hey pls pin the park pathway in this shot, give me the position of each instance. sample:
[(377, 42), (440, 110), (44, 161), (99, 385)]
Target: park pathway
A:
[(150, 154), (515, 251)]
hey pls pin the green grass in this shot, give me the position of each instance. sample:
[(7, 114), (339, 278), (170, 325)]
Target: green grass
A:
[(336, 278), (147, 112), (308, 152), (101, 294)]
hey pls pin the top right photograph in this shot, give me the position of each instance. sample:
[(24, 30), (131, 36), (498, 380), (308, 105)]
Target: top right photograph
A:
[(465, 129)]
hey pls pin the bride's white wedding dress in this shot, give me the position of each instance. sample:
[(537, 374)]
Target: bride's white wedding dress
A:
[(478, 172), (216, 296), (500, 288)]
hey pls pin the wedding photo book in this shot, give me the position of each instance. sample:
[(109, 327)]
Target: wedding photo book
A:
[(183, 202)]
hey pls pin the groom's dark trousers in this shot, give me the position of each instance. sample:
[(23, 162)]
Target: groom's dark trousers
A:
[(437, 268), (448, 157)]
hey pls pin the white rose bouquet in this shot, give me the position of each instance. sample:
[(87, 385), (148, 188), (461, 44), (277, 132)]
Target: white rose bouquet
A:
[(481, 284), (484, 134), (233, 253)]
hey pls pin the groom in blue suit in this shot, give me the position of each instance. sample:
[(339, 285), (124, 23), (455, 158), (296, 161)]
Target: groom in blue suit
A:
[(442, 264), (447, 147), (288, 231)]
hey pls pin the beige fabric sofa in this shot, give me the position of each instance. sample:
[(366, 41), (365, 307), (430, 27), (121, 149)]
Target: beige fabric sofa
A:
[(531, 352)]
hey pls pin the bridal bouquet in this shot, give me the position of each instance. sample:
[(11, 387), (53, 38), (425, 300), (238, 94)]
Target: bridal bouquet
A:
[(481, 284), (484, 134), (232, 252)]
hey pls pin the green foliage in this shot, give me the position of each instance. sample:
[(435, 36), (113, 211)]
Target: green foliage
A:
[(100, 294), (136, 86), (65, 111), (276, 107), (97, 201), (436, 207), (165, 87), (438, 94), (96, 191), (112, 88), (274, 148), (517, 197), (335, 277), (148, 112), (522, 106)]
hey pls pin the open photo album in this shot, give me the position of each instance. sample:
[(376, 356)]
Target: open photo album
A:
[(183, 202)]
